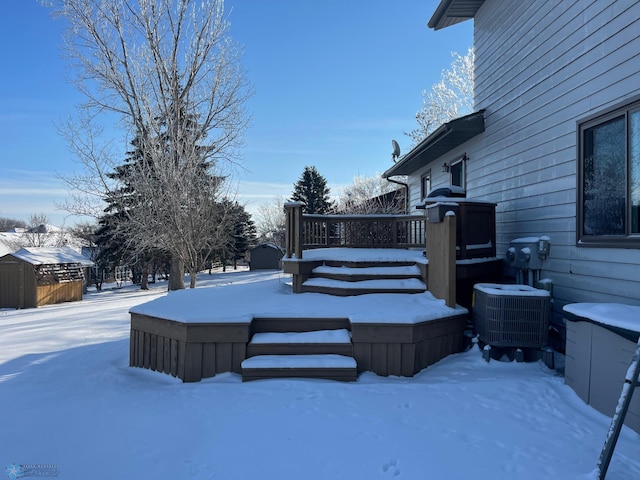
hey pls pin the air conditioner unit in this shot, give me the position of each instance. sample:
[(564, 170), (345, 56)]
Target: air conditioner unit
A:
[(511, 315)]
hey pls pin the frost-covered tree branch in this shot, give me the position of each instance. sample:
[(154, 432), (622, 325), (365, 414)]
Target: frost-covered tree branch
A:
[(270, 221), (451, 97)]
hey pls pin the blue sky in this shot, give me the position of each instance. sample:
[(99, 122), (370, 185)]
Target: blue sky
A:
[(335, 81)]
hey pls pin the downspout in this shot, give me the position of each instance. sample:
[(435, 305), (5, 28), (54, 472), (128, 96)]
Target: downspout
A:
[(406, 192)]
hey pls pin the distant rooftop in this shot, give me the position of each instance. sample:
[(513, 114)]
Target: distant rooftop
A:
[(51, 255)]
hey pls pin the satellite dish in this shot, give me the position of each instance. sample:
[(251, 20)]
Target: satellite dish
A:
[(396, 150)]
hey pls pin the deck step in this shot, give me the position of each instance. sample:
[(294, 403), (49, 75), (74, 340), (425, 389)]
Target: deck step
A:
[(352, 274), (347, 288), (300, 343), (368, 263), (328, 366), (298, 324), (317, 336)]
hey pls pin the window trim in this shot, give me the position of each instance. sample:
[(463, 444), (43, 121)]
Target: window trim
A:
[(629, 239), (463, 161), (423, 177)]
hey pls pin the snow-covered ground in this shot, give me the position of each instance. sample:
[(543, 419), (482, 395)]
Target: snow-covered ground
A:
[(68, 398)]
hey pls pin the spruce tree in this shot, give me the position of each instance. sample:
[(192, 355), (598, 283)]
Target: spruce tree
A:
[(311, 189)]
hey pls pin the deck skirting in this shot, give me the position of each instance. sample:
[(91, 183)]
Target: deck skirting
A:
[(190, 352), (193, 351)]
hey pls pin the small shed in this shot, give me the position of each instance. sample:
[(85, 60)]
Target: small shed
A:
[(36, 276), (266, 256)]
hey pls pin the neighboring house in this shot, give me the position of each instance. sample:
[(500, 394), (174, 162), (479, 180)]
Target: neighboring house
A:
[(36, 276), (9, 242), (266, 256), (392, 202), (555, 140)]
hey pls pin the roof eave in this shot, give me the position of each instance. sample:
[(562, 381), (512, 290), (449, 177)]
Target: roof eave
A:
[(466, 127), (451, 12)]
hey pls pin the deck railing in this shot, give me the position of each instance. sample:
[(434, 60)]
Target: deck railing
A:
[(307, 231)]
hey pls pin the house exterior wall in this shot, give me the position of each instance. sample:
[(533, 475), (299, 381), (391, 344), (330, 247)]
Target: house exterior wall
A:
[(541, 68), (438, 177)]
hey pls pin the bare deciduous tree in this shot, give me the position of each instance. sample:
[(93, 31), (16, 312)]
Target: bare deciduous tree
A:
[(170, 71), (451, 97), (40, 234), (371, 195), (270, 221), (7, 224)]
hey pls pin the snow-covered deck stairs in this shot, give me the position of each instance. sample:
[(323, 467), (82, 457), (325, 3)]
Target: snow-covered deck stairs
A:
[(300, 348), (358, 278)]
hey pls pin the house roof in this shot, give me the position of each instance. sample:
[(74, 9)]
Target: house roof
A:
[(48, 256), (267, 245), (447, 137), (450, 12)]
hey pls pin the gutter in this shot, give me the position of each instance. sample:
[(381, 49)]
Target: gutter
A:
[(406, 192)]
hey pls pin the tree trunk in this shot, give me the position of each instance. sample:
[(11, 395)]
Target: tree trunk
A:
[(176, 278), (193, 274), (144, 280)]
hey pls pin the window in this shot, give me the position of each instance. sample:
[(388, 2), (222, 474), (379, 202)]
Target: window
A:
[(458, 173), (609, 179), (425, 185)]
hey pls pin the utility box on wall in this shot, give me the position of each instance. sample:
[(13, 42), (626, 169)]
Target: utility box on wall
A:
[(528, 253), (525, 256)]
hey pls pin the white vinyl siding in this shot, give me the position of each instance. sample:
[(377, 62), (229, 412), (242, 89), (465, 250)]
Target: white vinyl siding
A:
[(541, 68), (438, 177)]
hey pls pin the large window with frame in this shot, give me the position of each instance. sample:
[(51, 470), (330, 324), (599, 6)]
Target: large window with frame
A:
[(609, 179)]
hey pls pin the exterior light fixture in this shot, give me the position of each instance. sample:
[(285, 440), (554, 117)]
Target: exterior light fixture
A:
[(445, 167)]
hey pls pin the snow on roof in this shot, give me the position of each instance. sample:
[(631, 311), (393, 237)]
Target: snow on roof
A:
[(612, 314), (267, 245), (51, 255), (8, 243)]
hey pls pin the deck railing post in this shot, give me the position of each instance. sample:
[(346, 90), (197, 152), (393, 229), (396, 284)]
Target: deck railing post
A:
[(441, 253), (293, 230)]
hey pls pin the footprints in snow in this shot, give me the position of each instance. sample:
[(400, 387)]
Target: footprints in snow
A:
[(391, 468)]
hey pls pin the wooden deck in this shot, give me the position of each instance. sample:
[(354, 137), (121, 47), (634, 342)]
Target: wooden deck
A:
[(401, 346)]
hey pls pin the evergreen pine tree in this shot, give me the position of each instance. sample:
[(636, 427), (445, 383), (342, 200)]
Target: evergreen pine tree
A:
[(240, 234), (311, 189), (243, 235), (112, 244)]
